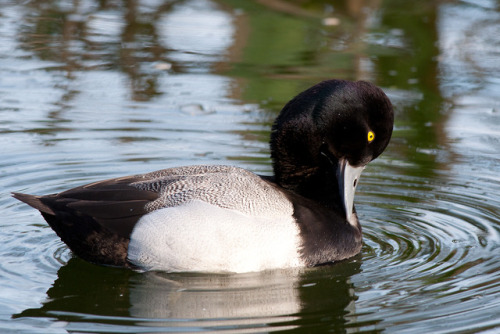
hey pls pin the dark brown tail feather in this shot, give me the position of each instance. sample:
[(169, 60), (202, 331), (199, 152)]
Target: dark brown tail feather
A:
[(83, 234), (34, 201)]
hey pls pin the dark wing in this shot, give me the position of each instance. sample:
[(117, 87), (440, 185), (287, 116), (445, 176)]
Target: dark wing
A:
[(95, 220), (114, 203)]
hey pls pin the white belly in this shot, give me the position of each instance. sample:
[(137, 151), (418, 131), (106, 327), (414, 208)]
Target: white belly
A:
[(198, 236)]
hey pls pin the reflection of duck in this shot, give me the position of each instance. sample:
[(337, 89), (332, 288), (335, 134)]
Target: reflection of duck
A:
[(275, 299), (221, 218)]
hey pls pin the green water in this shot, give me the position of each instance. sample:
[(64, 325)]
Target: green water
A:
[(97, 89)]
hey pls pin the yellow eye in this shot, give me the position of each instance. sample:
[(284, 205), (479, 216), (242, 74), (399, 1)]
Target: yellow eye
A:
[(371, 136)]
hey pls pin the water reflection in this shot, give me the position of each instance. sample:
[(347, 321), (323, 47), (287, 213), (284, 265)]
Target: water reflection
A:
[(87, 295), (95, 89), (142, 40), (153, 43)]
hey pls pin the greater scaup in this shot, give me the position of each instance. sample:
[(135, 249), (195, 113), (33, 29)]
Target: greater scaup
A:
[(222, 218)]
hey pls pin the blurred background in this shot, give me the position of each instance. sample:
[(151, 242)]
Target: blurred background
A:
[(97, 89)]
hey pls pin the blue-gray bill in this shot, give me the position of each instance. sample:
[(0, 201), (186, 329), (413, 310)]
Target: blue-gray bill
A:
[(348, 178)]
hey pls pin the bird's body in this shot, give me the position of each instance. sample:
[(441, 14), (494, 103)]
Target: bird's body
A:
[(242, 223), (223, 218)]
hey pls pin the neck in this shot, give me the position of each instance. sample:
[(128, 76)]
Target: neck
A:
[(317, 183)]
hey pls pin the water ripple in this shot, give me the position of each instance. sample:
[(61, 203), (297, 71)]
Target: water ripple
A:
[(435, 239)]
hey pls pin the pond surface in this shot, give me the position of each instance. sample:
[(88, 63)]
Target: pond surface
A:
[(97, 89)]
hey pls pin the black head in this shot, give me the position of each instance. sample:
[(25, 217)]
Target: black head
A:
[(334, 120)]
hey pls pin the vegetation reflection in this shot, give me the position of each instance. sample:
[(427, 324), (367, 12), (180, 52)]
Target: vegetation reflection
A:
[(276, 49)]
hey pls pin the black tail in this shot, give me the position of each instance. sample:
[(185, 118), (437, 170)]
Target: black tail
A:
[(34, 201), (83, 234)]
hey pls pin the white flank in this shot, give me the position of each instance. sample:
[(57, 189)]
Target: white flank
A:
[(198, 236)]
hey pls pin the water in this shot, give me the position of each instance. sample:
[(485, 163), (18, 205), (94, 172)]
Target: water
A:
[(97, 89)]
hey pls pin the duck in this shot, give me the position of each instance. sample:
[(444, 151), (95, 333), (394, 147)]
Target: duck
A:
[(221, 218)]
